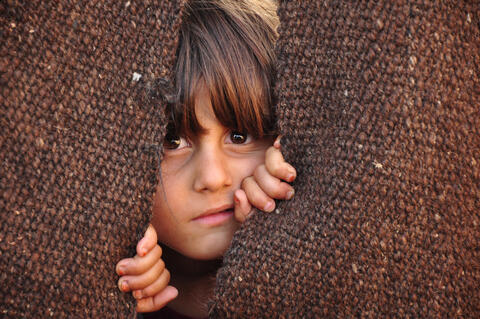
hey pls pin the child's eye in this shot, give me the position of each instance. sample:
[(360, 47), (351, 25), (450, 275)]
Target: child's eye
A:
[(239, 138), (173, 142)]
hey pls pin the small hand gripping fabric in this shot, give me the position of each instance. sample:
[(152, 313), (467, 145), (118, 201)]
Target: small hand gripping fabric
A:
[(80, 147), (378, 103)]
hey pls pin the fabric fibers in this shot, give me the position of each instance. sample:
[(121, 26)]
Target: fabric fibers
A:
[(82, 126), (377, 102)]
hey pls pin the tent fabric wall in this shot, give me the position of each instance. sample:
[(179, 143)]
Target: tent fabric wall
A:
[(82, 125), (377, 102)]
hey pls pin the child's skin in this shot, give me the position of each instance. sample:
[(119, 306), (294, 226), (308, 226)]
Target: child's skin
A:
[(212, 172), (218, 173)]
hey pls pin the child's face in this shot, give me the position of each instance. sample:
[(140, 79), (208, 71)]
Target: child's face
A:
[(193, 204)]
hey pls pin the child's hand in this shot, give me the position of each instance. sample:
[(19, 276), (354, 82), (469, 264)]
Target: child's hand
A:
[(146, 276), (265, 185)]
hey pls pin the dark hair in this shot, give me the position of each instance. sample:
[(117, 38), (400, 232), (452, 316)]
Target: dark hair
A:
[(227, 47)]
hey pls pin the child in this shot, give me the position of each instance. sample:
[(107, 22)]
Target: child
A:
[(218, 159)]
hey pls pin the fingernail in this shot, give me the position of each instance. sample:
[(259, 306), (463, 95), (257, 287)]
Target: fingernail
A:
[(143, 250), (137, 294), (276, 144), (290, 177), (121, 270), (237, 201), (290, 194), (268, 207), (123, 285)]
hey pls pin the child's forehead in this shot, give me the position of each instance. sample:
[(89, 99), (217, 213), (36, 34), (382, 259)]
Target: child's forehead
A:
[(200, 91), (203, 107)]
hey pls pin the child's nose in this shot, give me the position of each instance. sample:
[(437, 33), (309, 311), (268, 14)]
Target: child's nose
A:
[(212, 173)]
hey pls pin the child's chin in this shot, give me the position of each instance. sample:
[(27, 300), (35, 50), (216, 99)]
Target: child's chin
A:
[(208, 251)]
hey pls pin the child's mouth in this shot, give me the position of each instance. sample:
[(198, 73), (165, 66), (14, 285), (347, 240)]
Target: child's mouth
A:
[(215, 217)]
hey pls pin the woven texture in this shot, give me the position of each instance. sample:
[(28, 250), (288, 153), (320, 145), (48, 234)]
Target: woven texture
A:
[(378, 103), (81, 126), (379, 108)]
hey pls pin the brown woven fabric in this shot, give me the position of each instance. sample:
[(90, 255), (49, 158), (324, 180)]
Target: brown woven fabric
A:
[(378, 102), (379, 108), (80, 136)]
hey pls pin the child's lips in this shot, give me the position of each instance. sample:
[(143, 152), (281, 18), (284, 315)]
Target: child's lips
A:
[(216, 216)]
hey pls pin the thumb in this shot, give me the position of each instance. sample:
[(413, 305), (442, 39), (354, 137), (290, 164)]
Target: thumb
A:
[(278, 142), (158, 301), (242, 207), (148, 241)]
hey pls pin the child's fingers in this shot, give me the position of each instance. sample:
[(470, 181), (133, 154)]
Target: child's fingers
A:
[(148, 241), (129, 283), (156, 287), (120, 266), (138, 265), (256, 196), (158, 301), (277, 166), (242, 207), (272, 186)]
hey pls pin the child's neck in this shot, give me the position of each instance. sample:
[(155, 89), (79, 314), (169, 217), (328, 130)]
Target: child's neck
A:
[(194, 279)]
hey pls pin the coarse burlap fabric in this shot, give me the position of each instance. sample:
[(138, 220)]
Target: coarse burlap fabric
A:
[(81, 125), (378, 105)]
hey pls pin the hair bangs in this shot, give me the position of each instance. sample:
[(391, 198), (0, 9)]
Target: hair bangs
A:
[(224, 50)]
